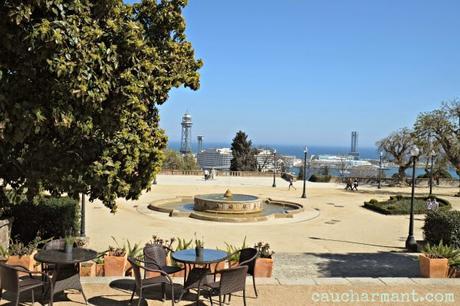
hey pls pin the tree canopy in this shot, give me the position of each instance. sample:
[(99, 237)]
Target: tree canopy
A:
[(244, 158), (443, 125), (396, 148), (80, 82), (173, 160)]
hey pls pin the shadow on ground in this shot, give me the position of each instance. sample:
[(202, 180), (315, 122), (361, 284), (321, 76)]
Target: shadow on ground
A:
[(381, 264), (125, 287), (314, 265)]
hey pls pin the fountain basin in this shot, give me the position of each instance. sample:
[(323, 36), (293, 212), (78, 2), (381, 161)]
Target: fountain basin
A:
[(224, 204)]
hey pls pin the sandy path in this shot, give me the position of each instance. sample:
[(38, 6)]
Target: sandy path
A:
[(342, 226)]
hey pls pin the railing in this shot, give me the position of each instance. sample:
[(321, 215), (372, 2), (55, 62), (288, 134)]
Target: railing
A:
[(362, 180), (218, 173)]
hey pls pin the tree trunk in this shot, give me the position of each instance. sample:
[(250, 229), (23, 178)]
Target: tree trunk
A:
[(401, 174)]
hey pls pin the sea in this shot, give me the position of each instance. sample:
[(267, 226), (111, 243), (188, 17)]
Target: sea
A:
[(365, 153)]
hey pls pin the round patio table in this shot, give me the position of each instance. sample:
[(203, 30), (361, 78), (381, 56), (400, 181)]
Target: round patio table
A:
[(209, 256), (198, 276), (66, 272)]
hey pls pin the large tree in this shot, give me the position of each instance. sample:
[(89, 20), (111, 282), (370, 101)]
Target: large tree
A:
[(396, 148), (443, 125), (80, 82), (244, 155)]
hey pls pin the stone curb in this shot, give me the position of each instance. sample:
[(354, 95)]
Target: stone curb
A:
[(349, 281)]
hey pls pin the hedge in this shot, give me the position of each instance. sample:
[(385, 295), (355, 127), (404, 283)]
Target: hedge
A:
[(442, 225), (399, 205), (320, 178), (50, 217)]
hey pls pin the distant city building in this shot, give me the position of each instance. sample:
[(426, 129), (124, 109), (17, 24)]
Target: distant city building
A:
[(354, 145), (290, 161), (186, 137), (215, 158), (264, 159)]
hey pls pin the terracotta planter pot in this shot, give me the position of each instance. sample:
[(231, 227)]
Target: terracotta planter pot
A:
[(264, 267), (88, 268), (433, 267), (26, 261), (99, 269), (115, 265)]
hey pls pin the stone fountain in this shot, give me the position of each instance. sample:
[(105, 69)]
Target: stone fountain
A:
[(227, 203)]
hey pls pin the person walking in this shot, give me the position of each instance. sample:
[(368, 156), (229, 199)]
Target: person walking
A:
[(291, 183), (355, 184)]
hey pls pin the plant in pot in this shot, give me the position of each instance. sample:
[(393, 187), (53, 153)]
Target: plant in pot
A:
[(22, 254), (264, 263), (199, 247), (454, 267), (233, 254), (134, 251), (115, 261), (99, 261), (69, 242), (434, 262)]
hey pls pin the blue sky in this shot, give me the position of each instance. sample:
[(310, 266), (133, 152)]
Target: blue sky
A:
[(310, 72)]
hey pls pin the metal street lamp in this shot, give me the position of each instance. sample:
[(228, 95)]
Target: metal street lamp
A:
[(411, 244), (304, 195), (83, 216), (380, 170), (274, 169), (432, 155)]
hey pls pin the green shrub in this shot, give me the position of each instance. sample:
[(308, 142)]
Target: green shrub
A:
[(442, 226), (400, 205), (49, 217), (320, 178), (442, 250)]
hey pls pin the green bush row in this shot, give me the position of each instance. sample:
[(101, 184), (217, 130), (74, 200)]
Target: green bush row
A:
[(320, 178), (49, 217), (400, 205), (442, 226)]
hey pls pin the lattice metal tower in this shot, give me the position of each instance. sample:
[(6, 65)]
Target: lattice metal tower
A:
[(200, 143), (186, 138)]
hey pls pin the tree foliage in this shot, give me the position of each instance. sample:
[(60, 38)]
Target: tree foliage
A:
[(396, 148), (244, 155), (173, 160), (80, 82), (443, 125)]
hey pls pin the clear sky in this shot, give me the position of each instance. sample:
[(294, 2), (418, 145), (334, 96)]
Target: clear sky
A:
[(310, 72)]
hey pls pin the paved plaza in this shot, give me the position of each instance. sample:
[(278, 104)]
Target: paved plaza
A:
[(104, 291), (334, 221)]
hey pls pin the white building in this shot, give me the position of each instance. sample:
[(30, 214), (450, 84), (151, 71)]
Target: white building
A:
[(215, 158)]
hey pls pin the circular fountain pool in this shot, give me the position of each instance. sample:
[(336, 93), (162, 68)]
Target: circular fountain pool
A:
[(216, 207)]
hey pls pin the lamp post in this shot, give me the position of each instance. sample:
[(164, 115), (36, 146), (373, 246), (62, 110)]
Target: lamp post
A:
[(411, 244), (380, 170), (304, 195), (274, 169), (432, 155), (83, 216)]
